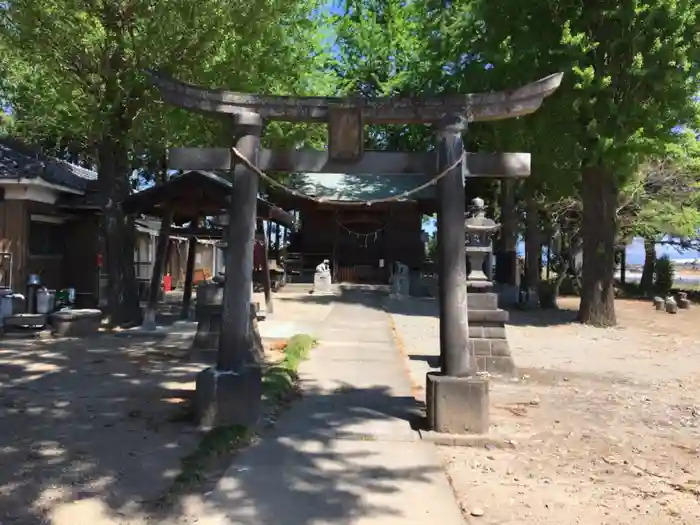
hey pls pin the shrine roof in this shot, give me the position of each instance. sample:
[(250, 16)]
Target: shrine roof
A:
[(195, 194), (358, 188), (19, 161)]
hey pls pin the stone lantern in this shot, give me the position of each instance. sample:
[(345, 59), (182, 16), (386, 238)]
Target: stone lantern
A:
[(479, 231), (487, 322)]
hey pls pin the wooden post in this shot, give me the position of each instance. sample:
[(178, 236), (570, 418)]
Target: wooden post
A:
[(167, 266), (454, 341), (235, 343), (189, 273), (267, 287), (149, 320), (277, 242)]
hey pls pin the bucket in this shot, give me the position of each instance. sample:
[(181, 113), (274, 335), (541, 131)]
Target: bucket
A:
[(44, 300), (5, 306)]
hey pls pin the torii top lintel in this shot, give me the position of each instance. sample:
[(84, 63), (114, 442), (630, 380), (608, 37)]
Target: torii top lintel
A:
[(385, 110)]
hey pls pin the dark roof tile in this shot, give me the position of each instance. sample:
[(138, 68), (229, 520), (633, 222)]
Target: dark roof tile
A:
[(18, 161)]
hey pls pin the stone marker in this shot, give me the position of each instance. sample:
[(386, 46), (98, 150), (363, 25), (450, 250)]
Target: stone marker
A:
[(208, 314), (659, 303), (400, 281), (671, 305), (322, 279), (683, 301)]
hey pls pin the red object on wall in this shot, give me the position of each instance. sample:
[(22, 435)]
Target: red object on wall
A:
[(167, 283), (99, 260)]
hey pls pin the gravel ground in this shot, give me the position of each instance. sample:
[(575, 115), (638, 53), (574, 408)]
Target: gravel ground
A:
[(94, 429), (605, 422)]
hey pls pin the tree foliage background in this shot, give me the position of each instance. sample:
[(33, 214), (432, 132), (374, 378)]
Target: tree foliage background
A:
[(73, 74), (608, 161)]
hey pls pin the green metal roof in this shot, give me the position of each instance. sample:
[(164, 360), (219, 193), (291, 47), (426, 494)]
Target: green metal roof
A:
[(343, 187)]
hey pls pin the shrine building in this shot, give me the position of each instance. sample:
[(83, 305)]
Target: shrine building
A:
[(360, 241)]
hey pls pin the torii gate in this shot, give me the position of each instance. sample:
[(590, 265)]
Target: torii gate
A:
[(230, 393)]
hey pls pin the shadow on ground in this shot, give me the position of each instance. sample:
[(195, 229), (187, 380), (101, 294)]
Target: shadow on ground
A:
[(379, 297), (102, 422), (303, 474), (91, 418)]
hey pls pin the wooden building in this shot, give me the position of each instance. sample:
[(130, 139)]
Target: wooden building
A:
[(44, 227), (208, 255), (50, 226), (361, 242)]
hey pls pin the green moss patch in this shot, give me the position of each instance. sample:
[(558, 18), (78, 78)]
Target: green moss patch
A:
[(216, 449)]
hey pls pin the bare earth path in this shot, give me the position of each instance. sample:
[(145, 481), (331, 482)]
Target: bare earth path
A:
[(605, 423), (344, 454)]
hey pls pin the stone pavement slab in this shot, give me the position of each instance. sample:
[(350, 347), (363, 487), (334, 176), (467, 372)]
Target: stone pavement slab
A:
[(345, 453)]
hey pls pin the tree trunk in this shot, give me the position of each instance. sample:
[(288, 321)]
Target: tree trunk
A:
[(562, 270), (647, 282), (118, 230), (599, 197), (533, 244), (506, 255), (623, 265)]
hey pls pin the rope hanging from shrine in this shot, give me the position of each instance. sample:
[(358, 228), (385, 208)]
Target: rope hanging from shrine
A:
[(396, 198), (364, 237)]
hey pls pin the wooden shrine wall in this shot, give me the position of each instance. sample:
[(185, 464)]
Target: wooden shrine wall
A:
[(356, 239)]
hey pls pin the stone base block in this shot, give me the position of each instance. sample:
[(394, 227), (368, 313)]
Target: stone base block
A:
[(457, 405), (492, 355), (76, 323), (482, 301), (228, 398), (208, 328), (209, 324)]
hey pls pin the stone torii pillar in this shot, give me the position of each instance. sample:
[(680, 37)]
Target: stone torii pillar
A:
[(456, 399), (231, 392), (454, 354)]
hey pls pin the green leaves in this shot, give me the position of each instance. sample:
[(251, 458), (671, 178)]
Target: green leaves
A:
[(71, 69)]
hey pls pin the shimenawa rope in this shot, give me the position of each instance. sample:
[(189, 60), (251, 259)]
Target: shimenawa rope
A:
[(395, 198)]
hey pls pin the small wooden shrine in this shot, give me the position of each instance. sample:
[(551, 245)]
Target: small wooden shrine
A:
[(361, 242)]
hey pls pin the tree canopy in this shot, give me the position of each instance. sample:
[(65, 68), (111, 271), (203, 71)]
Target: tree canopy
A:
[(606, 151), (73, 74)]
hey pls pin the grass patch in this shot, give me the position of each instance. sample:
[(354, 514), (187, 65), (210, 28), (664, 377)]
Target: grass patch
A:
[(219, 444), (280, 379)]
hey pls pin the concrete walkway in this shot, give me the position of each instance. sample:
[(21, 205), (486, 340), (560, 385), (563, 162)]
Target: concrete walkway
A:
[(345, 453)]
